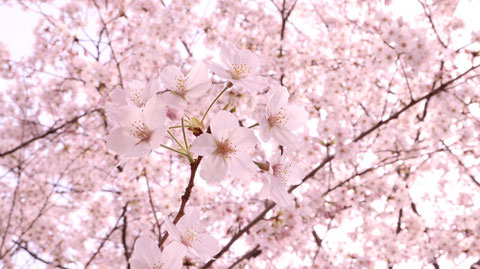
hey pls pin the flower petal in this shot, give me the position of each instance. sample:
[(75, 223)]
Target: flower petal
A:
[(146, 250), (219, 70), (265, 132), (279, 194), (222, 123), (241, 166), (139, 264), (157, 137), (227, 53), (173, 255), (119, 97), (198, 75), (120, 141), (297, 117), (154, 112), (204, 145), (172, 230), (252, 83), (174, 100), (243, 138), (283, 136), (206, 246), (277, 98), (199, 89), (191, 219), (213, 168), (139, 149)]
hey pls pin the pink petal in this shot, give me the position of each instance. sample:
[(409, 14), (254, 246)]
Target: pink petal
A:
[(154, 113), (219, 70), (173, 255), (213, 168), (265, 132), (206, 247), (241, 166), (222, 123), (120, 141), (227, 53), (243, 138), (277, 98), (146, 251), (172, 230), (191, 219), (252, 83), (204, 145)]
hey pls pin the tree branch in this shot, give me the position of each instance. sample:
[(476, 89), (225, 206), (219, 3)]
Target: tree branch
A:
[(185, 196)]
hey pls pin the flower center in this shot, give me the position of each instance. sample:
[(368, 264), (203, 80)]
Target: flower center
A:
[(281, 171), (135, 98), (279, 118), (141, 131), (181, 85), (189, 236), (239, 71), (158, 265), (225, 148)]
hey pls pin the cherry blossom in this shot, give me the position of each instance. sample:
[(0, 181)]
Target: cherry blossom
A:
[(282, 174), (147, 255), (187, 237), (140, 130), (225, 149), (239, 67), (281, 118), (136, 93), (184, 87)]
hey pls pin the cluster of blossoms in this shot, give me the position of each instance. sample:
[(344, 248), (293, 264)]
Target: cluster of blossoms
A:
[(139, 114)]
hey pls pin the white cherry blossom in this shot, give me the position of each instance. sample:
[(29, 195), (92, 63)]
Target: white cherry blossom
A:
[(225, 149), (147, 255), (281, 118), (186, 236), (140, 129), (239, 67), (282, 174)]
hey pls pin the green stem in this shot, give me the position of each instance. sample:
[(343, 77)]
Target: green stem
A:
[(174, 150), (174, 138), (184, 136), (228, 86)]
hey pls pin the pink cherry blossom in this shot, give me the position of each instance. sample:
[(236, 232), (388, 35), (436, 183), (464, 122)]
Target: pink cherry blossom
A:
[(282, 173), (187, 237), (239, 67), (281, 118), (184, 87), (147, 255), (136, 93), (140, 129), (225, 149)]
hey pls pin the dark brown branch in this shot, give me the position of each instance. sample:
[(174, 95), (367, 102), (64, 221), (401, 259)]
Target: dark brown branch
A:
[(441, 88), (38, 258), (115, 227), (474, 180), (50, 131), (429, 16), (247, 256), (124, 241), (185, 196), (399, 222)]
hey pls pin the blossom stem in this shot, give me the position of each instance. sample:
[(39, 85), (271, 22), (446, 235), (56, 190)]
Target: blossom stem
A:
[(185, 197), (174, 150), (227, 86), (253, 125), (174, 138), (184, 136)]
